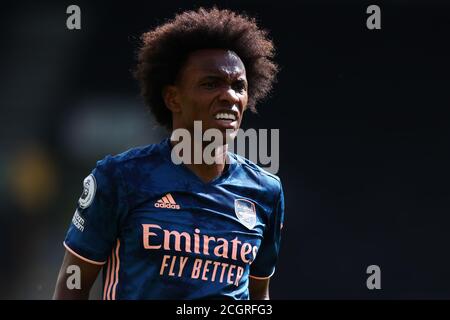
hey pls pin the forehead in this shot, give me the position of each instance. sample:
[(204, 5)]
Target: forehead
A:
[(214, 61)]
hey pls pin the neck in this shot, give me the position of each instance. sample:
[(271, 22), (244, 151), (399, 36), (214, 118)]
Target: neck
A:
[(206, 169)]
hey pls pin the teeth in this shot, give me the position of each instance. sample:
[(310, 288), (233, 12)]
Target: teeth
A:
[(226, 116)]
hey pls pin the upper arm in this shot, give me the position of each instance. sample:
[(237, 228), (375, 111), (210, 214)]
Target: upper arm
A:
[(259, 288), (263, 267), (94, 228), (88, 273), (264, 264)]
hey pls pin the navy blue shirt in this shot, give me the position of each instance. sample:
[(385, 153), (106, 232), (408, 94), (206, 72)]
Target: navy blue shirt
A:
[(163, 233)]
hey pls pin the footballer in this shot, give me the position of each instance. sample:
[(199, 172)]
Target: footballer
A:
[(196, 230)]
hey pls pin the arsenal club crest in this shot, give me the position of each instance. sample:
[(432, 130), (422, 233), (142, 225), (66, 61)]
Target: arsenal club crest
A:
[(246, 212)]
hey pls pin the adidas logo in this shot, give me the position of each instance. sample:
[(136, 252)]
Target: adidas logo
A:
[(167, 202)]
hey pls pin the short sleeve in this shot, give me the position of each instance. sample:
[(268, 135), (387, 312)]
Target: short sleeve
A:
[(95, 224), (264, 264)]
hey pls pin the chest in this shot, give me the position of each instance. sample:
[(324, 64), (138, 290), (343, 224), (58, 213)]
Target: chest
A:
[(221, 225)]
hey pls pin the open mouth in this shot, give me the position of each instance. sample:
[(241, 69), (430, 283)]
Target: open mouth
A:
[(225, 116)]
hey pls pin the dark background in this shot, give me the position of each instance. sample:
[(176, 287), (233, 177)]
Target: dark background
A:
[(363, 118)]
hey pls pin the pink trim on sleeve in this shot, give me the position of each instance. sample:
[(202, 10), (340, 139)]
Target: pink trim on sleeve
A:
[(81, 257), (262, 278)]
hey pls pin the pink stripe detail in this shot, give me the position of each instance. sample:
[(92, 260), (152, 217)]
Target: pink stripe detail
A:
[(105, 288), (82, 258), (117, 271), (108, 295), (165, 200)]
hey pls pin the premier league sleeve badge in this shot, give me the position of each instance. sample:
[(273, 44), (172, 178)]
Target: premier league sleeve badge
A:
[(89, 188)]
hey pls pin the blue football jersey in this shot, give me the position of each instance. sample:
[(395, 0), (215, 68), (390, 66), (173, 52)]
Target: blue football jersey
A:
[(160, 232)]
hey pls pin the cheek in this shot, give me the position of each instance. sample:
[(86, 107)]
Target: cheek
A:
[(201, 102), (244, 100), (196, 108)]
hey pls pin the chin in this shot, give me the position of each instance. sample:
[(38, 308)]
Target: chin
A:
[(231, 134), (228, 135)]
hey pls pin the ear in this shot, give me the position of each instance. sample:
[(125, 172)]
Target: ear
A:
[(171, 99)]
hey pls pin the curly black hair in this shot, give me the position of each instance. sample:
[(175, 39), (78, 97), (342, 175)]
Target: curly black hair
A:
[(165, 49)]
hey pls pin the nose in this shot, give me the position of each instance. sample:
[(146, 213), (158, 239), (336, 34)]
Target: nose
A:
[(229, 95)]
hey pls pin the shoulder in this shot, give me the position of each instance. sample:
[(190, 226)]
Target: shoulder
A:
[(119, 165), (268, 180)]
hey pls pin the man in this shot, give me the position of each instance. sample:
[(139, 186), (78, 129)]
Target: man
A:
[(194, 230)]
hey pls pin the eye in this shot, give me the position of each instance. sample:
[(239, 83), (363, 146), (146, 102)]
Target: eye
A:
[(239, 86), (209, 84)]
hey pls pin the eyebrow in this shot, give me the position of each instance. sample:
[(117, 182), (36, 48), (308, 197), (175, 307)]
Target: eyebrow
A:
[(222, 76), (219, 70)]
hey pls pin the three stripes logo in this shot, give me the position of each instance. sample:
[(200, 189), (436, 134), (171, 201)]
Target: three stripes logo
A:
[(167, 202)]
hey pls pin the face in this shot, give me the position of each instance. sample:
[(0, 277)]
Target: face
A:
[(212, 88)]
